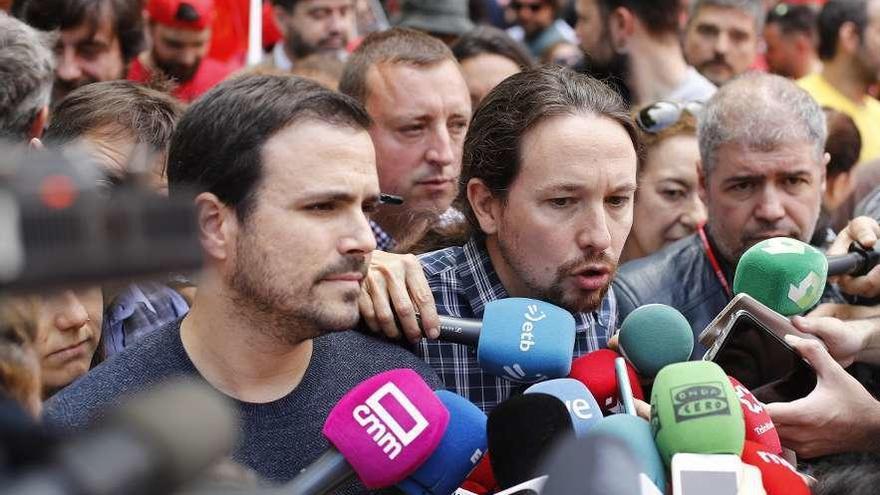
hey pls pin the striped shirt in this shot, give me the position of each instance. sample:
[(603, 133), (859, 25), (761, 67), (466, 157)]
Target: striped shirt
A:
[(463, 280)]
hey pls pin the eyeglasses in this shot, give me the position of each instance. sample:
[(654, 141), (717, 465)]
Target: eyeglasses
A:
[(534, 7), (662, 114)]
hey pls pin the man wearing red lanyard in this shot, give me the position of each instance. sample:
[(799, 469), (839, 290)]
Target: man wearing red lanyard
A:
[(763, 172), (180, 33)]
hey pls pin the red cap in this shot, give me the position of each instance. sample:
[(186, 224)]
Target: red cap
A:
[(182, 14)]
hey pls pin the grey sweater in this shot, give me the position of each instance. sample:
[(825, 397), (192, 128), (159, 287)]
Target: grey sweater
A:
[(279, 438)]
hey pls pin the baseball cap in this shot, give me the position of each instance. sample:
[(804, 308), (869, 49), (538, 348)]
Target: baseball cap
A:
[(182, 14)]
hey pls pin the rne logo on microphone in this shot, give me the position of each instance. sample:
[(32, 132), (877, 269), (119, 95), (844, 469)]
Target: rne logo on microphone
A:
[(385, 430), (527, 337)]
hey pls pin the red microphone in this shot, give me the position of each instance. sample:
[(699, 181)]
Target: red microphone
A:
[(759, 427), (596, 371), (778, 476), (481, 480)]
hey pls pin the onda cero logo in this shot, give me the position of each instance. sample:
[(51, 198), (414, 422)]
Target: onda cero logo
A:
[(699, 400), (387, 431)]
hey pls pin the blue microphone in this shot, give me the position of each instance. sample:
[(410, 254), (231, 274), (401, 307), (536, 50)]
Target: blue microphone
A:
[(524, 340), (581, 404), (462, 446)]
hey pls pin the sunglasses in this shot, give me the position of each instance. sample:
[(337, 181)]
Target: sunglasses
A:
[(662, 114), (534, 7)]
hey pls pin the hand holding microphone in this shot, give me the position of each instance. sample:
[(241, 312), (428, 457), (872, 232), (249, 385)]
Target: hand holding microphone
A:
[(864, 231)]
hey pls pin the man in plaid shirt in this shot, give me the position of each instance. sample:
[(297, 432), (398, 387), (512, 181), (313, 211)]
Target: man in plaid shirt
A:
[(549, 174)]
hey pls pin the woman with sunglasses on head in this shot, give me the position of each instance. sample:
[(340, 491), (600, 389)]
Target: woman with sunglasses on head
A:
[(667, 204)]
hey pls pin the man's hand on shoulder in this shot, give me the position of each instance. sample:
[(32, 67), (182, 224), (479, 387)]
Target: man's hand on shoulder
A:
[(395, 296)]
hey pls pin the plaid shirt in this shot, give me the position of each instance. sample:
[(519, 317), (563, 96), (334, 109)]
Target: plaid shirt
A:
[(463, 280), (384, 242), (137, 311)]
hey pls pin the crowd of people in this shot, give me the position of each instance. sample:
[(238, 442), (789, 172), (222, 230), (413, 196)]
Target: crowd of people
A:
[(391, 163)]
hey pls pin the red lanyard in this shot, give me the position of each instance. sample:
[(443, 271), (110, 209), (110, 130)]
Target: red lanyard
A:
[(714, 262)]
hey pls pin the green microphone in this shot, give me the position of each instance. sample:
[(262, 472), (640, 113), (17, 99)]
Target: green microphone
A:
[(786, 275), (695, 410), (653, 336)]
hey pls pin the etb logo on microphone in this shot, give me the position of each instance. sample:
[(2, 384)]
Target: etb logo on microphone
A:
[(527, 336), (388, 432), (699, 400)]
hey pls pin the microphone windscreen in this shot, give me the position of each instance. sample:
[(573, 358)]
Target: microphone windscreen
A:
[(596, 371), (521, 431), (387, 426), (481, 480), (695, 410), (653, 336), (597, 465), (636, 434), (526, 340), (577, 398), (462, 447), (778, 476), (759, 425), (786, 275), (187, 424)]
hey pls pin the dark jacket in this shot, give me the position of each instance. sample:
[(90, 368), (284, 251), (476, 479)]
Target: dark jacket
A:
[(680, 276)]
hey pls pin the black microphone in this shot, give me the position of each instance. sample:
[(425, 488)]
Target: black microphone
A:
[(857, 262), (521, 431), (153, 443)]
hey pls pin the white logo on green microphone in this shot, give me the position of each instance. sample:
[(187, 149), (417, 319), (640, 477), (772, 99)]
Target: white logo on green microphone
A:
[(783, 245), (805, 293)]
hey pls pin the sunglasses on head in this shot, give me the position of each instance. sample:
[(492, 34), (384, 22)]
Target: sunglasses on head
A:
[(534, 7), (662, 114)]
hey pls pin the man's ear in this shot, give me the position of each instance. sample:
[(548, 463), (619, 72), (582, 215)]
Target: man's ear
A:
[(218, 226), (39, 123), (621, 26), (848, 37), (486, 207)]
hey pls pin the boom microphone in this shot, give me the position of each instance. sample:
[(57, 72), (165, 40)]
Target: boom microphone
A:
[(786, 275), (153, 443), (695, 410), (382, 430), (653, 336)]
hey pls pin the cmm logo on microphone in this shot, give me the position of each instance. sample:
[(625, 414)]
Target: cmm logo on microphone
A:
[(387, 431), (699, 400)]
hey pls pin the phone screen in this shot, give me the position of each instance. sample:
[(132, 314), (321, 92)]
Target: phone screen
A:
[(764, 363), (714, 482)]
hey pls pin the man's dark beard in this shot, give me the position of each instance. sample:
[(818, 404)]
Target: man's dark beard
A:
[(615, 73), (289, 322), (298, 47), (178, 72)]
